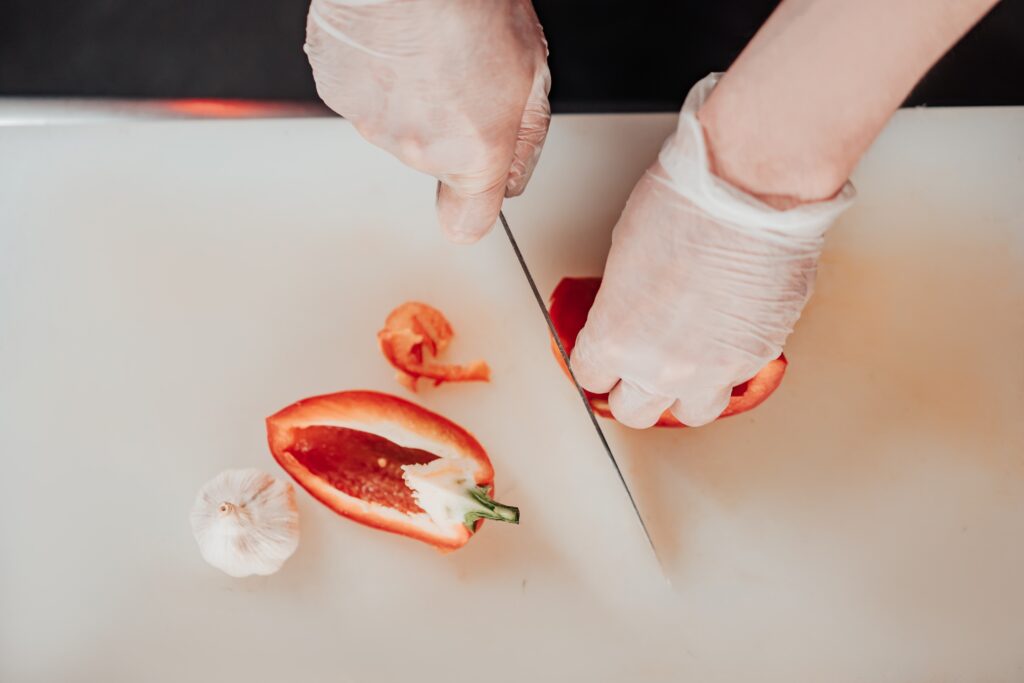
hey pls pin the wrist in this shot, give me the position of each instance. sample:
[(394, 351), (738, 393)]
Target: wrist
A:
[(779, 208), (768, 159)]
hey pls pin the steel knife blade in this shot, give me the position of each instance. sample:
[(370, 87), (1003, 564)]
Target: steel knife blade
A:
[(579, 389)]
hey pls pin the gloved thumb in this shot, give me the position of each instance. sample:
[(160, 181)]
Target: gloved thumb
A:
[(466, 218), (700, 408)]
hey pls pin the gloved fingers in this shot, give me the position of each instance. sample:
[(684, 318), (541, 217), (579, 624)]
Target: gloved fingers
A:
[(700, 408), (589, 366), (465, 218), (635, 407), (533, 130)]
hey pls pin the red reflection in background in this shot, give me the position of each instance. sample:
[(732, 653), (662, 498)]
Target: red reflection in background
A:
[(216, 108)]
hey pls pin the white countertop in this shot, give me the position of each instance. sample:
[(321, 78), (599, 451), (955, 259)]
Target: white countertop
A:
[(166, 285)]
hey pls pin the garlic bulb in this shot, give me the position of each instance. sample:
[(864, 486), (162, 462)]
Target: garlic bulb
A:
[(246, 522)]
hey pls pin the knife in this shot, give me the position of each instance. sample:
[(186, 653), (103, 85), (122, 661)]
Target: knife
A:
[(579, 389)]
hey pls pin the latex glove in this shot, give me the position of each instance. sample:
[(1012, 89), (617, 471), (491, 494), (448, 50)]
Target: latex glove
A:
[(454, 88), (702, 286)]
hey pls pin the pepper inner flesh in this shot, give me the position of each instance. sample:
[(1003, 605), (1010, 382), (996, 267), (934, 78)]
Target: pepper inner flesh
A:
[(359, 464)]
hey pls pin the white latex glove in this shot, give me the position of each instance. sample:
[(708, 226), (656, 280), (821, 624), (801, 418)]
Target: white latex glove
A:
[(454, 88), (702, 285)]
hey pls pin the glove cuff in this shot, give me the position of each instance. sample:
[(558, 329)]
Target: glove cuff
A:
[(684, 157)]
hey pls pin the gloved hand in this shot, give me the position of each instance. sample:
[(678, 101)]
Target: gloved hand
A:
[(454, 88), (702, 286)]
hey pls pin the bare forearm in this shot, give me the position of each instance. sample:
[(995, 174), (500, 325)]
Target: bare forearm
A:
[(812, 90)]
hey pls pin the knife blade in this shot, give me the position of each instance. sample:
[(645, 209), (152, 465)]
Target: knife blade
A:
[(579, 389)]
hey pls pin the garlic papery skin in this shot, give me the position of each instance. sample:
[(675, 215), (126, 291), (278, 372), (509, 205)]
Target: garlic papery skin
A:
[(246, 522)]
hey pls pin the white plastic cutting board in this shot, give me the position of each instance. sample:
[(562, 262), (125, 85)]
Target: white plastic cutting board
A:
[(165, 286)]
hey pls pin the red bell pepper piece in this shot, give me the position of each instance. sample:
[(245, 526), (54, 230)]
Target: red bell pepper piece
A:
[(569, 305), (412, 334), (389, 464)]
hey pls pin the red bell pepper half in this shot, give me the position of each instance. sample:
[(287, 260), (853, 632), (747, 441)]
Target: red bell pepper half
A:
[(569, 305), (413, 333), (389, 464)]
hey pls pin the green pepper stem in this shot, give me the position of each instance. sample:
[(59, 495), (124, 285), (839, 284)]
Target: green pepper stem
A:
[(489, 509)]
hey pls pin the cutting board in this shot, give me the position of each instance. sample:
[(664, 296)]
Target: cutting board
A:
[(164, 286)]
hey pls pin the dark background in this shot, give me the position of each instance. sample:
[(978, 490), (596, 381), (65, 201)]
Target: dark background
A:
[(606, 55)]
